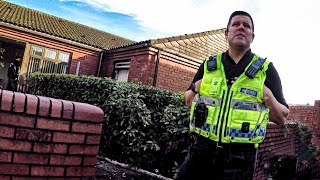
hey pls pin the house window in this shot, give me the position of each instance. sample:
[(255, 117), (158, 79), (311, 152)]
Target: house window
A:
[(121, 70), (47, 60)]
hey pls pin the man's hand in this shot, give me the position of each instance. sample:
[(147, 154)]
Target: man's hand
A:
[(268, 97), (189, 95), (197, 85), (278, 112)]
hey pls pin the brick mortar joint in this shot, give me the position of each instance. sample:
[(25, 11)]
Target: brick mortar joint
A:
[(33, 105)]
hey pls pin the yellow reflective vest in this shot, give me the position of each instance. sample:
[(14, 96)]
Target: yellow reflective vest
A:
[(234, 114)]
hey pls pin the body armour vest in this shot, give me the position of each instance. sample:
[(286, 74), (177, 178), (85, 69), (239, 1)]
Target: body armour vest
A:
[(234, 114)]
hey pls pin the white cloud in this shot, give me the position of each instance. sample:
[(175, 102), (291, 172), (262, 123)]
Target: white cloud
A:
[(175, 17), (286, 31)]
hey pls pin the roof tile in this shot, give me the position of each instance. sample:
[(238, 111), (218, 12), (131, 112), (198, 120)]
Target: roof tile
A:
[(55, 26)]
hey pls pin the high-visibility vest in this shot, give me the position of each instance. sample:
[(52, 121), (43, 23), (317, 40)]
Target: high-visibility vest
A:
[(234, 114)]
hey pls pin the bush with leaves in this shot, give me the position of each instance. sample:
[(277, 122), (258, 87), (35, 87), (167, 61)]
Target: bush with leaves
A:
[(305, 150), (144, 126), (282, 167)]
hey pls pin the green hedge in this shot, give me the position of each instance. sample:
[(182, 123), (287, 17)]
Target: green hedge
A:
[(306, 150), (144, 126)]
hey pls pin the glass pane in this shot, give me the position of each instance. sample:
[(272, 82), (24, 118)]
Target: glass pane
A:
[(33, 65), (64, 57), (35, 50), (48, 67), (50, 54), (61, 68), (122, 75), (44, 61)]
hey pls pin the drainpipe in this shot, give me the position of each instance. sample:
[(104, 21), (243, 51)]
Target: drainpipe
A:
[(156, 68), (100, 61), (78, 68)]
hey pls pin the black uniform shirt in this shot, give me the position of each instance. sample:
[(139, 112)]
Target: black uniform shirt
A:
[(233, 70)]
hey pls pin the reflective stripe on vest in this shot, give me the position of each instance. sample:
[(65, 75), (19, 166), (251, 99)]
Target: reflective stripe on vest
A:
[(235, 114)]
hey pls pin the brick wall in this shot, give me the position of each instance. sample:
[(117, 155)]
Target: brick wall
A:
[(310, 115), (175, 73), (174, 76), (141, 65), (277, 142), (89, 63), (47, 138)]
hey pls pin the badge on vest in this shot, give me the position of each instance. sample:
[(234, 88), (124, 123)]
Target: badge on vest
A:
[(215, 86), (249, 92)]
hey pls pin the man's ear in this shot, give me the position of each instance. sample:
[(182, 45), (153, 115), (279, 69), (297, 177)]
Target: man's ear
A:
[(253, 36), (226, 33)]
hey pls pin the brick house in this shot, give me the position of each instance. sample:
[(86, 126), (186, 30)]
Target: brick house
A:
[(50, 44), (168, 63)]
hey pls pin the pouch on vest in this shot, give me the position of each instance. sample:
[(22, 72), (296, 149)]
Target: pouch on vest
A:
[(212, 63), (200, 114), (245, 127), (255, 67)]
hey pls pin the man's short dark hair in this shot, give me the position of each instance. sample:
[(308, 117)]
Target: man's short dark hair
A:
[(240, 13), (18, 56)]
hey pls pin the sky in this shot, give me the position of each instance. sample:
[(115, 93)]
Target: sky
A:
[(286, 31)]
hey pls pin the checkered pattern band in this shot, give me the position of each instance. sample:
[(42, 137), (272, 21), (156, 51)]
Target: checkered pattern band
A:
[(205, 127), (237, 133)]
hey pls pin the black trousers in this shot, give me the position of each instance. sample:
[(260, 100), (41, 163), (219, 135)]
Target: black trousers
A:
[(232, 161), (12, 84)]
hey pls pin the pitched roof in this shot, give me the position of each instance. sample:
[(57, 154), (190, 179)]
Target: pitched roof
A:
[(197, 46), (58, 27)]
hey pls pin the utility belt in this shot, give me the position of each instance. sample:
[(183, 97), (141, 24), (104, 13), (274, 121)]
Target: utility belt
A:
[(203, 141)]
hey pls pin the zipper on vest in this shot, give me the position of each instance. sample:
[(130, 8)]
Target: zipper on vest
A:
[(227, 113), (221, 110), (225, 110)]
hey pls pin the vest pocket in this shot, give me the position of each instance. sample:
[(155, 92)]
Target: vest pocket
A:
[(205, 127), (242, 125), (238, 116), (212, 120)]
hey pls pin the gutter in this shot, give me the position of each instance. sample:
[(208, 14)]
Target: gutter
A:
[(100, 62), (155, 77)]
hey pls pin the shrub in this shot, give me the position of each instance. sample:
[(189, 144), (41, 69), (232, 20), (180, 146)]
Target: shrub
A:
[(282, 167), (144, 126)]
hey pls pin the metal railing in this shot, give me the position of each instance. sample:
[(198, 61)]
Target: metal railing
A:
[(45, 66)]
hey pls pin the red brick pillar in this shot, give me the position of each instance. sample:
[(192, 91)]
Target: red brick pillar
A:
[(42, 137), (316, 124)]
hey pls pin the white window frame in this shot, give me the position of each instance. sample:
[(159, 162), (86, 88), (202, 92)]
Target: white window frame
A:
[(121, 70)]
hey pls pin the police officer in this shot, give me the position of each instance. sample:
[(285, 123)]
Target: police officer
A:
[(232, 97), (13, 73)]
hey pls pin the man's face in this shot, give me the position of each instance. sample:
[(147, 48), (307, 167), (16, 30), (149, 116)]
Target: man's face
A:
[(240, 33)]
